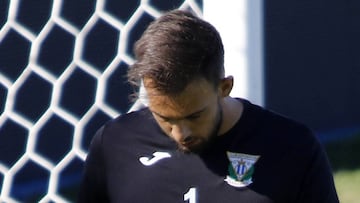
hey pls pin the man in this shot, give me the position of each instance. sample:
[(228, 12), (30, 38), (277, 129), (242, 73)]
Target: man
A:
[(194, 143)]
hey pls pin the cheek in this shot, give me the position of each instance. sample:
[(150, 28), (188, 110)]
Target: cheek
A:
[(210, 122), (203, 126), (165, 127)]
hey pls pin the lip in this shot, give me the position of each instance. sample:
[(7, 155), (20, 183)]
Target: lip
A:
[(190, 143)]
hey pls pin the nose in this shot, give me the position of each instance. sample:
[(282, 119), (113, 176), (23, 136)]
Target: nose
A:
[(181, 133)]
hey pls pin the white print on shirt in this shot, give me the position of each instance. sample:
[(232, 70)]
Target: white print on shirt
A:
[(190, 196), (157, 157)]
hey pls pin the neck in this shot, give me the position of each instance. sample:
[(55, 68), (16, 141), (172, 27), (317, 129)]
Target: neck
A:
[(232, 110)]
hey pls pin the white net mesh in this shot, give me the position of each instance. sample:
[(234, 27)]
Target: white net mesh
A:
[(62, 65)]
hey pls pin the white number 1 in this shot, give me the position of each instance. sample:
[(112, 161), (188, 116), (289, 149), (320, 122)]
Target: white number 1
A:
[(190, 195)]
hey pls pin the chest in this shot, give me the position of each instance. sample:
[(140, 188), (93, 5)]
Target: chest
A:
[(170, 176)]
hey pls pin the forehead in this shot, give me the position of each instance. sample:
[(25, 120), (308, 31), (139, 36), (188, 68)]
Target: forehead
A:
[(195, 97)]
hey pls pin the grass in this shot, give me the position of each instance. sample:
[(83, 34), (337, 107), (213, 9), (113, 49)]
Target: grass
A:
[(344, 156), (348, 185)]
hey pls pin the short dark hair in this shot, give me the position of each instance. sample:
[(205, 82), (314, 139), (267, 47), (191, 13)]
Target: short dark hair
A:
[(176, 49)]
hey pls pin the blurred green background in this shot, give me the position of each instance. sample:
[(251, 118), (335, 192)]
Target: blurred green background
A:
[(344, 156)]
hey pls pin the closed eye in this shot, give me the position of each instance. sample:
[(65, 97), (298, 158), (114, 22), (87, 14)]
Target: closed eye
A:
[(193, 117), (190, 117), (164, 119)]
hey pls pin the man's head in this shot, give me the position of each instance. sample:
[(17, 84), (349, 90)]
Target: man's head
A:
[(177, 49), (180, 60)]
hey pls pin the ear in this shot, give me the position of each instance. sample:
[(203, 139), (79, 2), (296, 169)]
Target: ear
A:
[(226, 86)]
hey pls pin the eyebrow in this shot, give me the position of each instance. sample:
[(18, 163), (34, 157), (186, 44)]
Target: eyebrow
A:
[(187, 116)]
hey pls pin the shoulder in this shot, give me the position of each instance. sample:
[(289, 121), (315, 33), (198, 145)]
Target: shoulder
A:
[(109, 141), (272, 131), (291, 157), (135, 120), (124, 128), (267, 120), (132, 118)]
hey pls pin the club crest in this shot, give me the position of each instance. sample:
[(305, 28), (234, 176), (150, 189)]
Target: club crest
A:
[(241, 169)]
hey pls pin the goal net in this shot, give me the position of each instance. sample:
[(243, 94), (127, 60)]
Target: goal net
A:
[(62, 75)]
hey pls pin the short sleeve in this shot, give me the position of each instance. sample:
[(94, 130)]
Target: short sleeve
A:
[(318, 185)]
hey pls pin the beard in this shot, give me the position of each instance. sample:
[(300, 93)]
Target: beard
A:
[(205, 143)]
